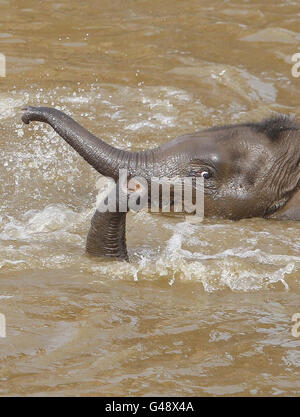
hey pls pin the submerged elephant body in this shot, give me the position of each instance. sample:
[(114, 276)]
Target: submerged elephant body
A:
[(250, 170)]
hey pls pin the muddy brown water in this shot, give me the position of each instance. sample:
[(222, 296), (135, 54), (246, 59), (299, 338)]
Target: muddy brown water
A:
[(201, 309)]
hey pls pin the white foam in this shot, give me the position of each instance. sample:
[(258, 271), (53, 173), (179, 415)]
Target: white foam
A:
[(46, 222)]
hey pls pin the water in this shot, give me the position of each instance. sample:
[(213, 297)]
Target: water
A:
[(201, 309)]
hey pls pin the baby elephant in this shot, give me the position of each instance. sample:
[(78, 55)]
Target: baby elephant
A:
[(249, 170)]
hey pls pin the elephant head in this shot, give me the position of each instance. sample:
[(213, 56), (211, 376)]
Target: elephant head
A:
[(249, 170)]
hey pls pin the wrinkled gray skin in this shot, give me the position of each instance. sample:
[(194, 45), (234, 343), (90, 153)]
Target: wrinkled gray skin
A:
[(253, 170)]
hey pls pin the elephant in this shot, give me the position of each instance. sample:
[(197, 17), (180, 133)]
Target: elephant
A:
[(249, 170)]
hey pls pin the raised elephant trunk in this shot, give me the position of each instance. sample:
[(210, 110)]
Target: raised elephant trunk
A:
[(106, 159), (107, 235)]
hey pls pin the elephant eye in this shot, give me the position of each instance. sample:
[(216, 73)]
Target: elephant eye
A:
[(205, 174), (200, 169)]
